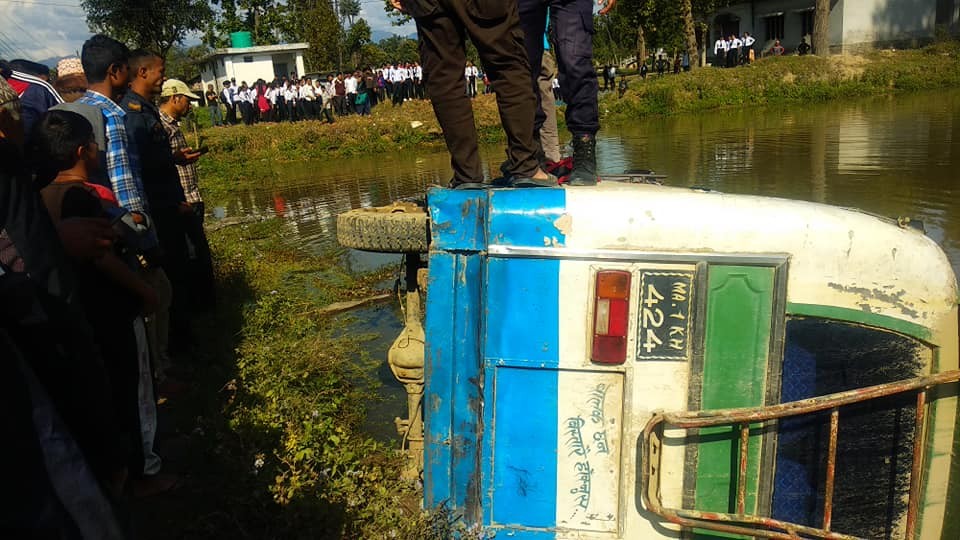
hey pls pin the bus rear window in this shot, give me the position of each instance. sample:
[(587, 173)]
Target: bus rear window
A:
[(875, 441)]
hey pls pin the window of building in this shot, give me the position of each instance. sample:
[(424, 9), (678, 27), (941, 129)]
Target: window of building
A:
[(248, 59), (806, 23), (774, 24)]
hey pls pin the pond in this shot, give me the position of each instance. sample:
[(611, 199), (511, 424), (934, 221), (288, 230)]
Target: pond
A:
[(892, 156)]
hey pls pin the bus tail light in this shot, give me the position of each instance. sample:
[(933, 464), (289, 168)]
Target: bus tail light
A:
[(611, 313)]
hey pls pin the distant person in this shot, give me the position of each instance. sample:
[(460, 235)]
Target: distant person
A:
[(720, 51), (777, 49), (213, 107), (643, 71), (226, 96), (733, 52), (748, 42), (804, 48)]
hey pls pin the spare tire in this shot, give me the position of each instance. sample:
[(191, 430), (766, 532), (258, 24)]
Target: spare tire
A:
[(401, 227)]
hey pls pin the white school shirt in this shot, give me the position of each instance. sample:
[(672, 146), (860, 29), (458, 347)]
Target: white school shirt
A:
[(350, 85), (718, 46), (307, 93), (749, 41), (736, 43), (396, 75), (726, 45), (417, 72), (289, 94), (272, 95)]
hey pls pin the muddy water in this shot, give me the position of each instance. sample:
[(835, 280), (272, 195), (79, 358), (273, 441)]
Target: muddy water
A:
[(891, 156)]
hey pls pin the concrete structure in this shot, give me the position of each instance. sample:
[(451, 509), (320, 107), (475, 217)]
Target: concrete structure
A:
[(252, 63), (854, 24)]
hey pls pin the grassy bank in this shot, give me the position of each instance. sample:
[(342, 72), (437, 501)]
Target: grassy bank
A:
[(789, 80), (248, 153), (270, 436)]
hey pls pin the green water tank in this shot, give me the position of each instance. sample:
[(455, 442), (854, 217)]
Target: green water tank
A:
[(239, 40)]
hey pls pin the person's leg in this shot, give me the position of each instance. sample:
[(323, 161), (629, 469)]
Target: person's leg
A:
[(549, 138), (201, 276), (578, 83), (533, 20), (443, 57), (502, 51)]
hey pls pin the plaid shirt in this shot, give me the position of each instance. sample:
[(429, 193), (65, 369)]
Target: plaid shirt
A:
[(123, 164), (188, 172)]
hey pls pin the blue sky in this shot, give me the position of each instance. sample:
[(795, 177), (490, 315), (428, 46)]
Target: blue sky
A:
[(42, 29)]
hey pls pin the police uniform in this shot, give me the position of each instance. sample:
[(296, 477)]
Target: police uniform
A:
[(161, 182)]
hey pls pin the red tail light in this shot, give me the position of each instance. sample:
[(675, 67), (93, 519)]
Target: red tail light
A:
[(611, 313)]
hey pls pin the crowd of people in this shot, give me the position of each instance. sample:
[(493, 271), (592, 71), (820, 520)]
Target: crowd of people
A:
[(103, 265), (290, 99)]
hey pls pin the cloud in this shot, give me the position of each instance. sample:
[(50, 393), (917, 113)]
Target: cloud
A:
[(51, 29), (40, 31)]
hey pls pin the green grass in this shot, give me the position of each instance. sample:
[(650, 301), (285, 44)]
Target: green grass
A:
[(788, 80)]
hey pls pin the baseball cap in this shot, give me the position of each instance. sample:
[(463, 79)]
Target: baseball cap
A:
[(176, 87)]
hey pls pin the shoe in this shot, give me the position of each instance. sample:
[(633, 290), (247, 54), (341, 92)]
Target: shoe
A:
[(584, 161), (531, 182), (150, 485), (467, 185)]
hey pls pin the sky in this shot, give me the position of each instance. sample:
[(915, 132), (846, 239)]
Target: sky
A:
[(43, 29)]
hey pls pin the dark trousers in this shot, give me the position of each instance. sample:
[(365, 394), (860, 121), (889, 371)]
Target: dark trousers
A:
[(200, 269), (494, 27), (171, 232), (231, 113), (325, 113), (572, 23)]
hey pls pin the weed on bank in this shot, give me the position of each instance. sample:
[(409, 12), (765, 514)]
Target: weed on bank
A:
[(273, 426), (789, 80)]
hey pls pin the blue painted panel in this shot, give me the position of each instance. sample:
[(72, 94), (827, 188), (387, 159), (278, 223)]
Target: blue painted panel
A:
[(524, 217), (457, 219), (466, 390), (524, 482), (438, 372), (522, 310), (452, 392)]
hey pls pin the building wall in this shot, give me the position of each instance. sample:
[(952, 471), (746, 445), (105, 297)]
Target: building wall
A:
[(854, 24), (869, 23), (260, 66)]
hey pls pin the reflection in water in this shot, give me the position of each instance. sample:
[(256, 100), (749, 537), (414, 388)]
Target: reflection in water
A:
[(891, 156)]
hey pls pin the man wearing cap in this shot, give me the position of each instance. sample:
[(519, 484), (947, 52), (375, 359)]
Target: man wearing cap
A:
[(174, 104)]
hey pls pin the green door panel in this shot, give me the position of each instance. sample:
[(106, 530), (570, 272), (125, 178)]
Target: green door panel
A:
[(737, 344)]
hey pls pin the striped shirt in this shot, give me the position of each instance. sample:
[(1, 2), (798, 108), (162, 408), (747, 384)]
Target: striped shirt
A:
[(188, 173), (123, 164)]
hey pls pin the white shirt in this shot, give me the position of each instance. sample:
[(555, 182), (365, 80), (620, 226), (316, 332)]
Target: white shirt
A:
[(470, 71), (417, 72), (749, 41), (726, 45), (736, 43), (350, 85), (272, 95), (307, 93), (290, 93)]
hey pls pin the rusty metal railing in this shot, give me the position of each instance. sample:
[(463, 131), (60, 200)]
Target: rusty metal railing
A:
[(766, 527)]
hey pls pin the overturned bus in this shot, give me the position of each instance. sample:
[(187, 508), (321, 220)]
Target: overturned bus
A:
[(639, 362)]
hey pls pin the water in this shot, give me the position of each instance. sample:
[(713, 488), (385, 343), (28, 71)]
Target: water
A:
[(893, 156)]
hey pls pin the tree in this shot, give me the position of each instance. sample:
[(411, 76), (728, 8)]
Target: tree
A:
[(349, 11), (821, 28), (689, 30), (183, 62), (357, 36), (315, 22), (157, 25), (400, 49)]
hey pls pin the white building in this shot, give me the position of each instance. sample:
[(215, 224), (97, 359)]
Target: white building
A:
[(854, 24), (252, 63)]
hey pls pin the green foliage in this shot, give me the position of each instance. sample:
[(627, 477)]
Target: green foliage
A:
[(156, 25), (400, 49), (182, 62), (264, 19), (315, 22)]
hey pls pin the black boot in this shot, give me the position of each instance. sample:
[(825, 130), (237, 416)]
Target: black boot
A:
[(584, 161)]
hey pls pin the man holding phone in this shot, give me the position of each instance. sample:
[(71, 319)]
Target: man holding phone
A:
[(175, 104)]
